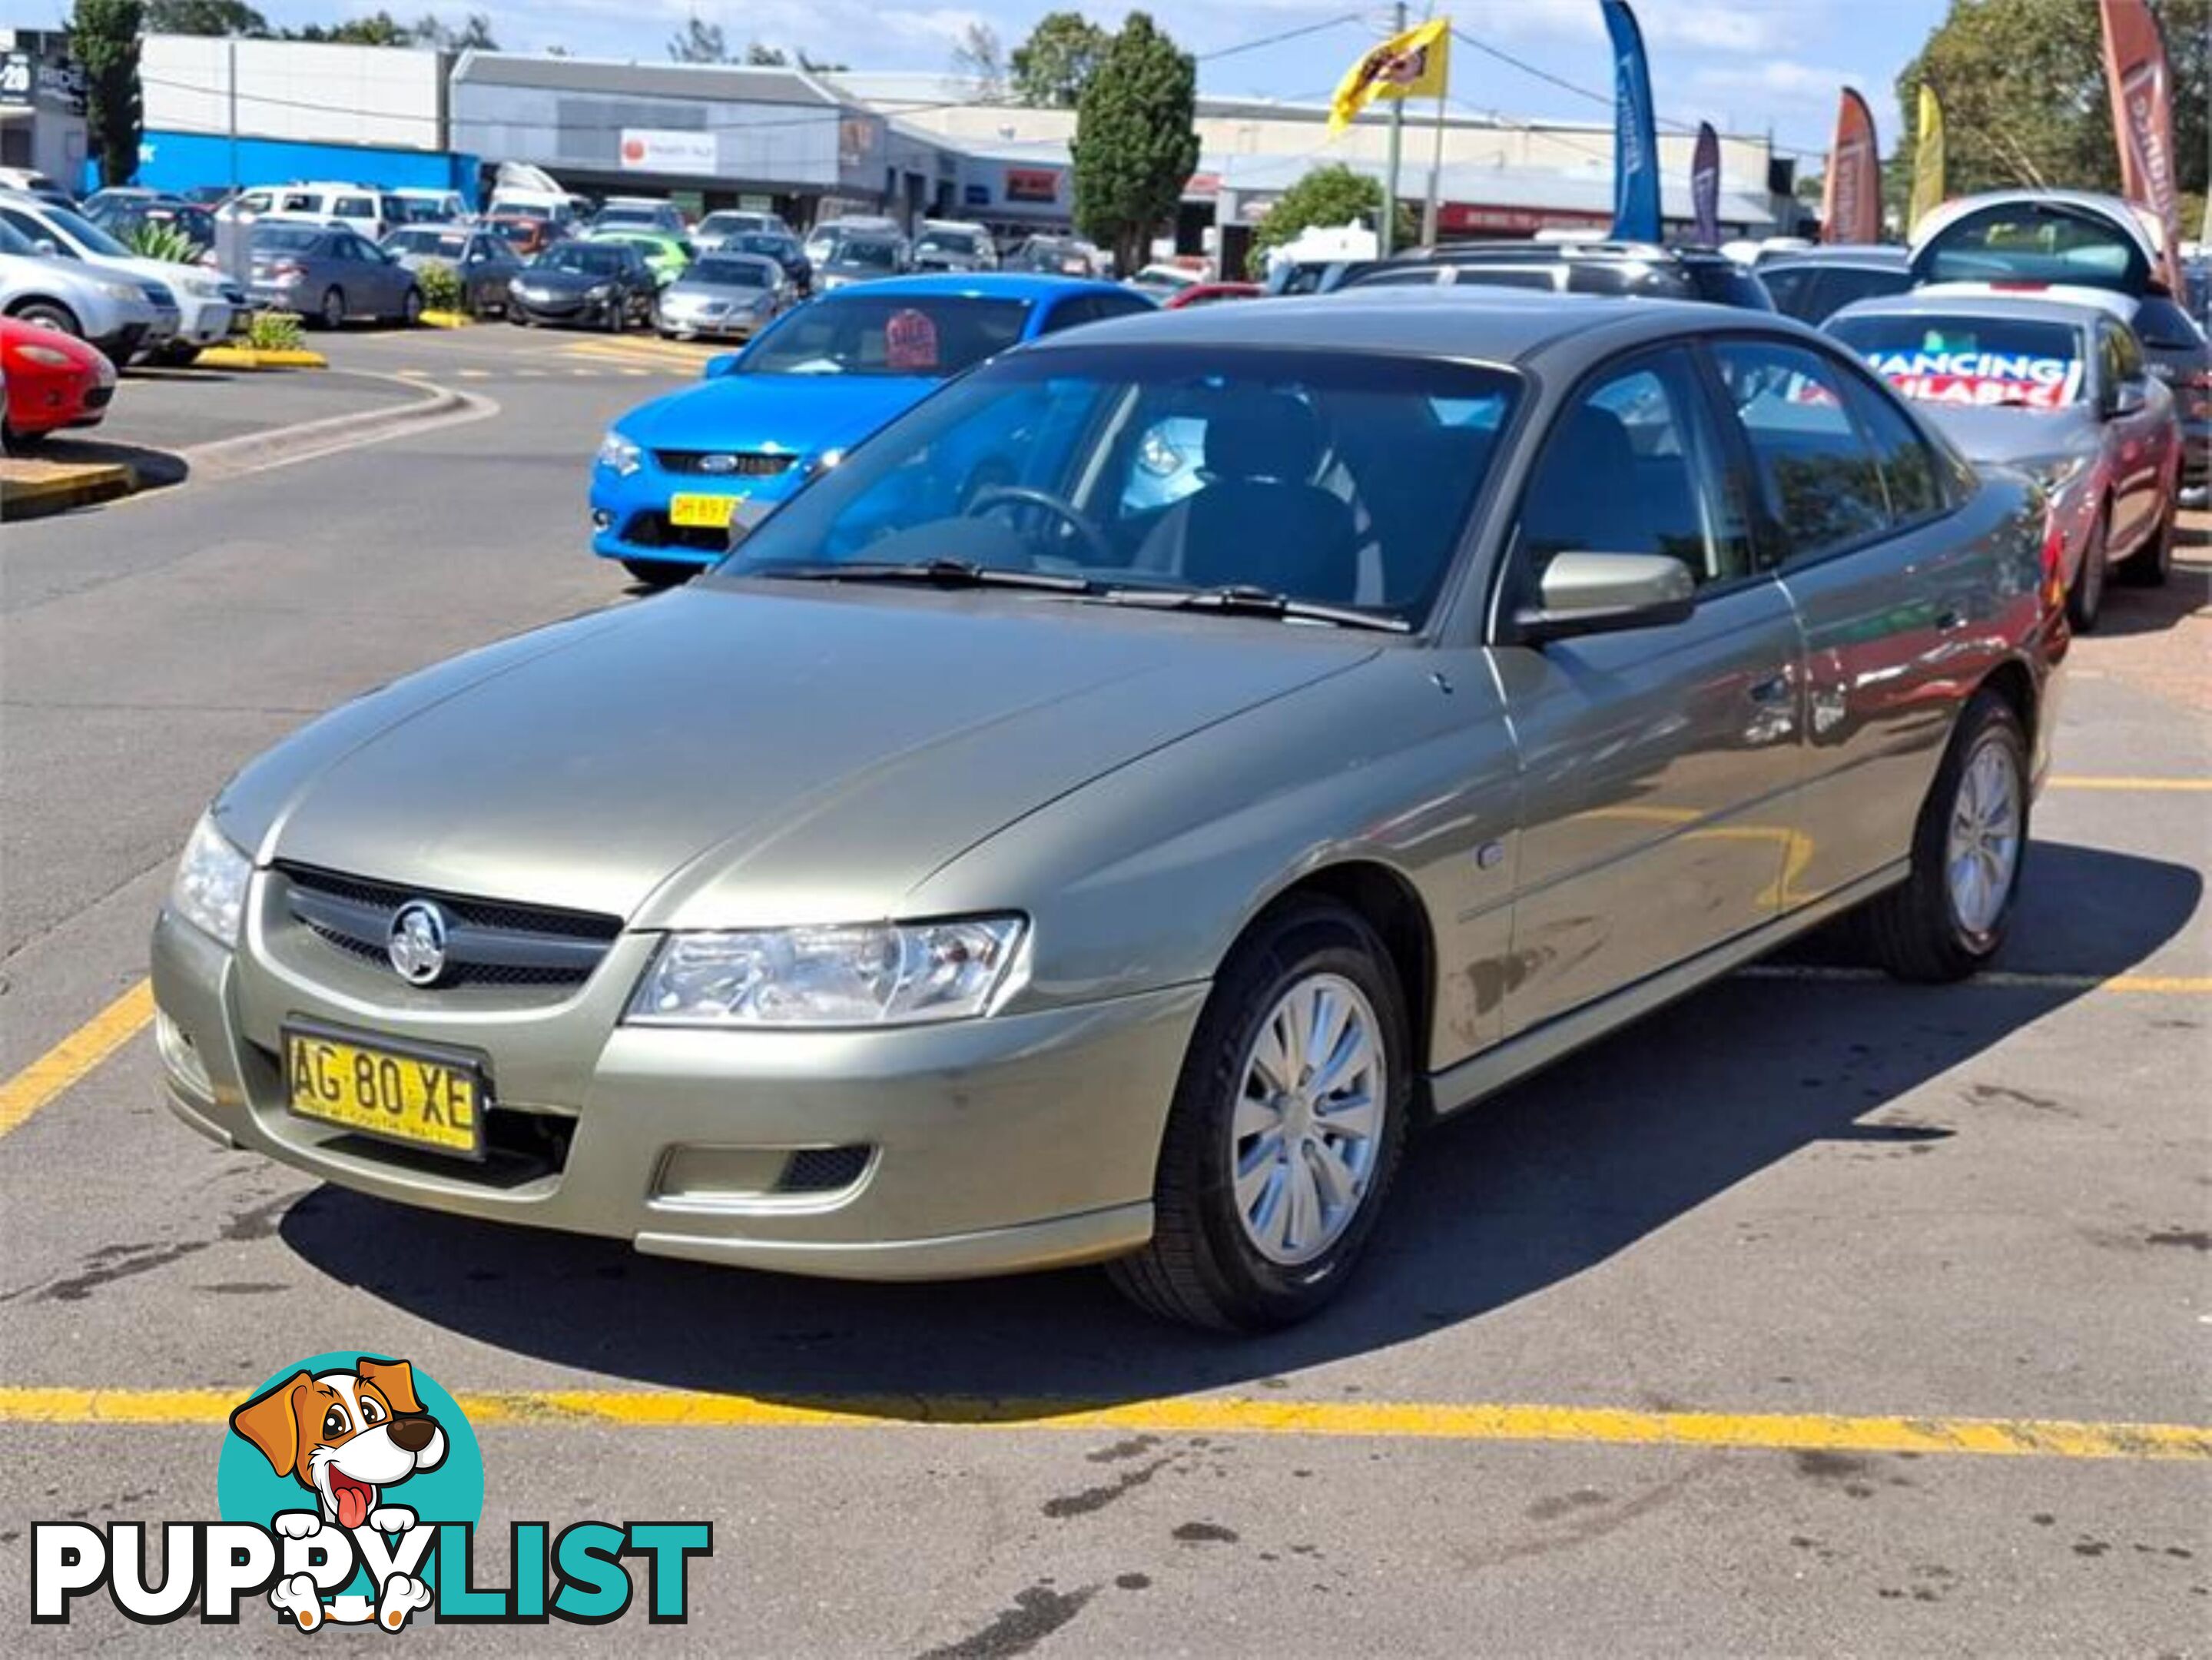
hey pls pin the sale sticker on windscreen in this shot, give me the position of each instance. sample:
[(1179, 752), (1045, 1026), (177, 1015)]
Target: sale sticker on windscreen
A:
[(1940, 373), (910, 341)]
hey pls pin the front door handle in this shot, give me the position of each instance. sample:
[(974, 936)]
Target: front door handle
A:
[(1950, 621), (1775, 689)]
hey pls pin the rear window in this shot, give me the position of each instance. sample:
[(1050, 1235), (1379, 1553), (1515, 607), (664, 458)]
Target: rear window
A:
[(2164, 327), (1723, 283), (1982, 360), (732, 273), (2035, 242), (291, 238)]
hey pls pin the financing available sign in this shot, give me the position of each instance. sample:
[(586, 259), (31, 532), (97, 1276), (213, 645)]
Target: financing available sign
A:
[(663, 150)]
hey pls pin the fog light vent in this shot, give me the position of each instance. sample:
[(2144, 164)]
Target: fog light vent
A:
[(182, 1060), (824, 1170)]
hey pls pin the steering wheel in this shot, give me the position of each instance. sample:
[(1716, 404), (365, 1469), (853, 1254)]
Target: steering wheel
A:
[(1068, 513)]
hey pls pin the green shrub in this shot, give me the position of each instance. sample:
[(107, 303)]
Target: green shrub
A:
[(150, 240), (274, 331), (441, 287)]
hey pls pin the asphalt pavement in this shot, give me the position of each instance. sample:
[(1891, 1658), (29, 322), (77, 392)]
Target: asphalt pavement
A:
[(1816, 1314)]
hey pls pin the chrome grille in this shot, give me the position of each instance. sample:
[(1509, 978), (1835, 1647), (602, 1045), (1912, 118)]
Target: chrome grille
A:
[(725, 464), (490, 942)]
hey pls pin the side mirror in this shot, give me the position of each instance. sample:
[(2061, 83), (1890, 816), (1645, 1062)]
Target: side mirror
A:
[(726, 363), (47, 246), (2129, 397), (1604, 592)]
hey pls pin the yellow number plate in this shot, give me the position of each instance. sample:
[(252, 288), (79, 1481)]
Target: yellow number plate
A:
[(703, 511), (417, 1099)]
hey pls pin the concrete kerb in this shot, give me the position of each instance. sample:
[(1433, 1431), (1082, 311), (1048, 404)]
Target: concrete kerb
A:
[(255, 451), (31, 489)]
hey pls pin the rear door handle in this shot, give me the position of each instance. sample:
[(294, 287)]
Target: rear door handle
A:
[(1775, 689)]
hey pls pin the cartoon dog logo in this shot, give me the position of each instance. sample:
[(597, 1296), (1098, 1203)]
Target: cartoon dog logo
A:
[(347, 1437)]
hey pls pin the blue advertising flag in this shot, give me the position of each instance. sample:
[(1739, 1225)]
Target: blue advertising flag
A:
[(1705, 185), (1635, 137)]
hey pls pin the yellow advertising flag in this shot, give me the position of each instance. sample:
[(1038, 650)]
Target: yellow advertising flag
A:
[(1414, 64), (1927, 159)]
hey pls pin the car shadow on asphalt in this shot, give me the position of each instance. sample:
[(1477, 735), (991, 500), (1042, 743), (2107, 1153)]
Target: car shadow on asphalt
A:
[(1522, 1192), (2186, 592)]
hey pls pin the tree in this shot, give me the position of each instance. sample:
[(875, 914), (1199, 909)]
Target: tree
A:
[(1052, 66), (1134, 145), (981, 61), (699, 42), (214, 17), (474, 33), (2022, 83), (103, 40), (1333, 195)]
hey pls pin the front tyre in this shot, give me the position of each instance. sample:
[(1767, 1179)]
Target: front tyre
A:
[(660, 573), (2150, 566), (2085, 600), (1950, 915), (1285, 1131)]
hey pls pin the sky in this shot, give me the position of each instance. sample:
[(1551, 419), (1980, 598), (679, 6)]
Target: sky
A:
[(1752, 66)]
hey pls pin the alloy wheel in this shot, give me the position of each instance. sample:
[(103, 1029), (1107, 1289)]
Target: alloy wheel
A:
[(1982, 851)]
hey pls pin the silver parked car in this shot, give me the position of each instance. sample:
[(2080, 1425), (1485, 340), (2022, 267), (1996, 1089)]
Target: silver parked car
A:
[(723, 296), (484, 262), (328, 274), (2058, 390), (1120, 880)]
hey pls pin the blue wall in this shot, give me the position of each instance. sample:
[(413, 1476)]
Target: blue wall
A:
[(178, 160)]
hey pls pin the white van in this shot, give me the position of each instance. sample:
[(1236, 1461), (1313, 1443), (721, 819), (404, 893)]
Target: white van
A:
[(375, 214)]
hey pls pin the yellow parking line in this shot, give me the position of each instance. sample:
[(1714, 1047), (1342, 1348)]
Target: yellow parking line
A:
[(666, 351), (476, 375), (2153, 985), (2064, 781), (2003, 1438), (75, 1055)]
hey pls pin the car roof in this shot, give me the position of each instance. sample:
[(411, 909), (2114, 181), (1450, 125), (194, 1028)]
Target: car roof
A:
[(1502, 326), (1959, 299), (2112, 209), (1546, 253), (988, 285)]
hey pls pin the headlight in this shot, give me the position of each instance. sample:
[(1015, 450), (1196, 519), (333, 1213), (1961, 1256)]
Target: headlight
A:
[(202, 288), (514, 285), (209, 888), (864, 975), (47, 356), (619, 453), (124, 291), (599, 291)]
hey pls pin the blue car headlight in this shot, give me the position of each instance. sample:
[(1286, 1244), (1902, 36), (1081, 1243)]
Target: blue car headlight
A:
[(619, 455)]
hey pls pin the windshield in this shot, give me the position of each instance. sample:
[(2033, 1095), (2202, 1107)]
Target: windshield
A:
[(1323, 477), (627, 217), (728, 223), (447, 242), (859, 333), (83, 231), (732, 274), (946, 241), (14, 242), (876, 256), (1984, 361), (291, 239), (604, 260), (763, 243)]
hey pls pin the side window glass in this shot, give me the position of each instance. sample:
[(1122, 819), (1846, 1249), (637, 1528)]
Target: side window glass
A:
[(1634, 465), (1069, 313), (1821, 483), (1909, 470), (2127, 352)]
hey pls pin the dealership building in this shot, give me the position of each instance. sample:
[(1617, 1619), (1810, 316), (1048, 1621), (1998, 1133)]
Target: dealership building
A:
[(813, 145)]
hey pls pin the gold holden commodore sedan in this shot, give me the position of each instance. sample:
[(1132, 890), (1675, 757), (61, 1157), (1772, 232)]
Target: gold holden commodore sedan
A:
[(1101, 817)]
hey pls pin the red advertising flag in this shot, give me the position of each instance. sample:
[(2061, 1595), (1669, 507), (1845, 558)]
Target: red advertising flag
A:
[(1850, 196), (2141, 86)]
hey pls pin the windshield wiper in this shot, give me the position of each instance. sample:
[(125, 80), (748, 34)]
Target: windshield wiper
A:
[(935, 573), (1245, 599)]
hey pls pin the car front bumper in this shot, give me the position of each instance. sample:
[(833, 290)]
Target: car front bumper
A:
[(981, 1146), (563, 311), (631, 517)]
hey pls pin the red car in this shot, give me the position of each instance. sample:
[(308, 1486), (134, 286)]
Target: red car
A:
[(53, 380), (1208, 294)]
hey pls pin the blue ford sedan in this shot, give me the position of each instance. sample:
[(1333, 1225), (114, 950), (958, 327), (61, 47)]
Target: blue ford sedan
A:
[(680, 479)]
